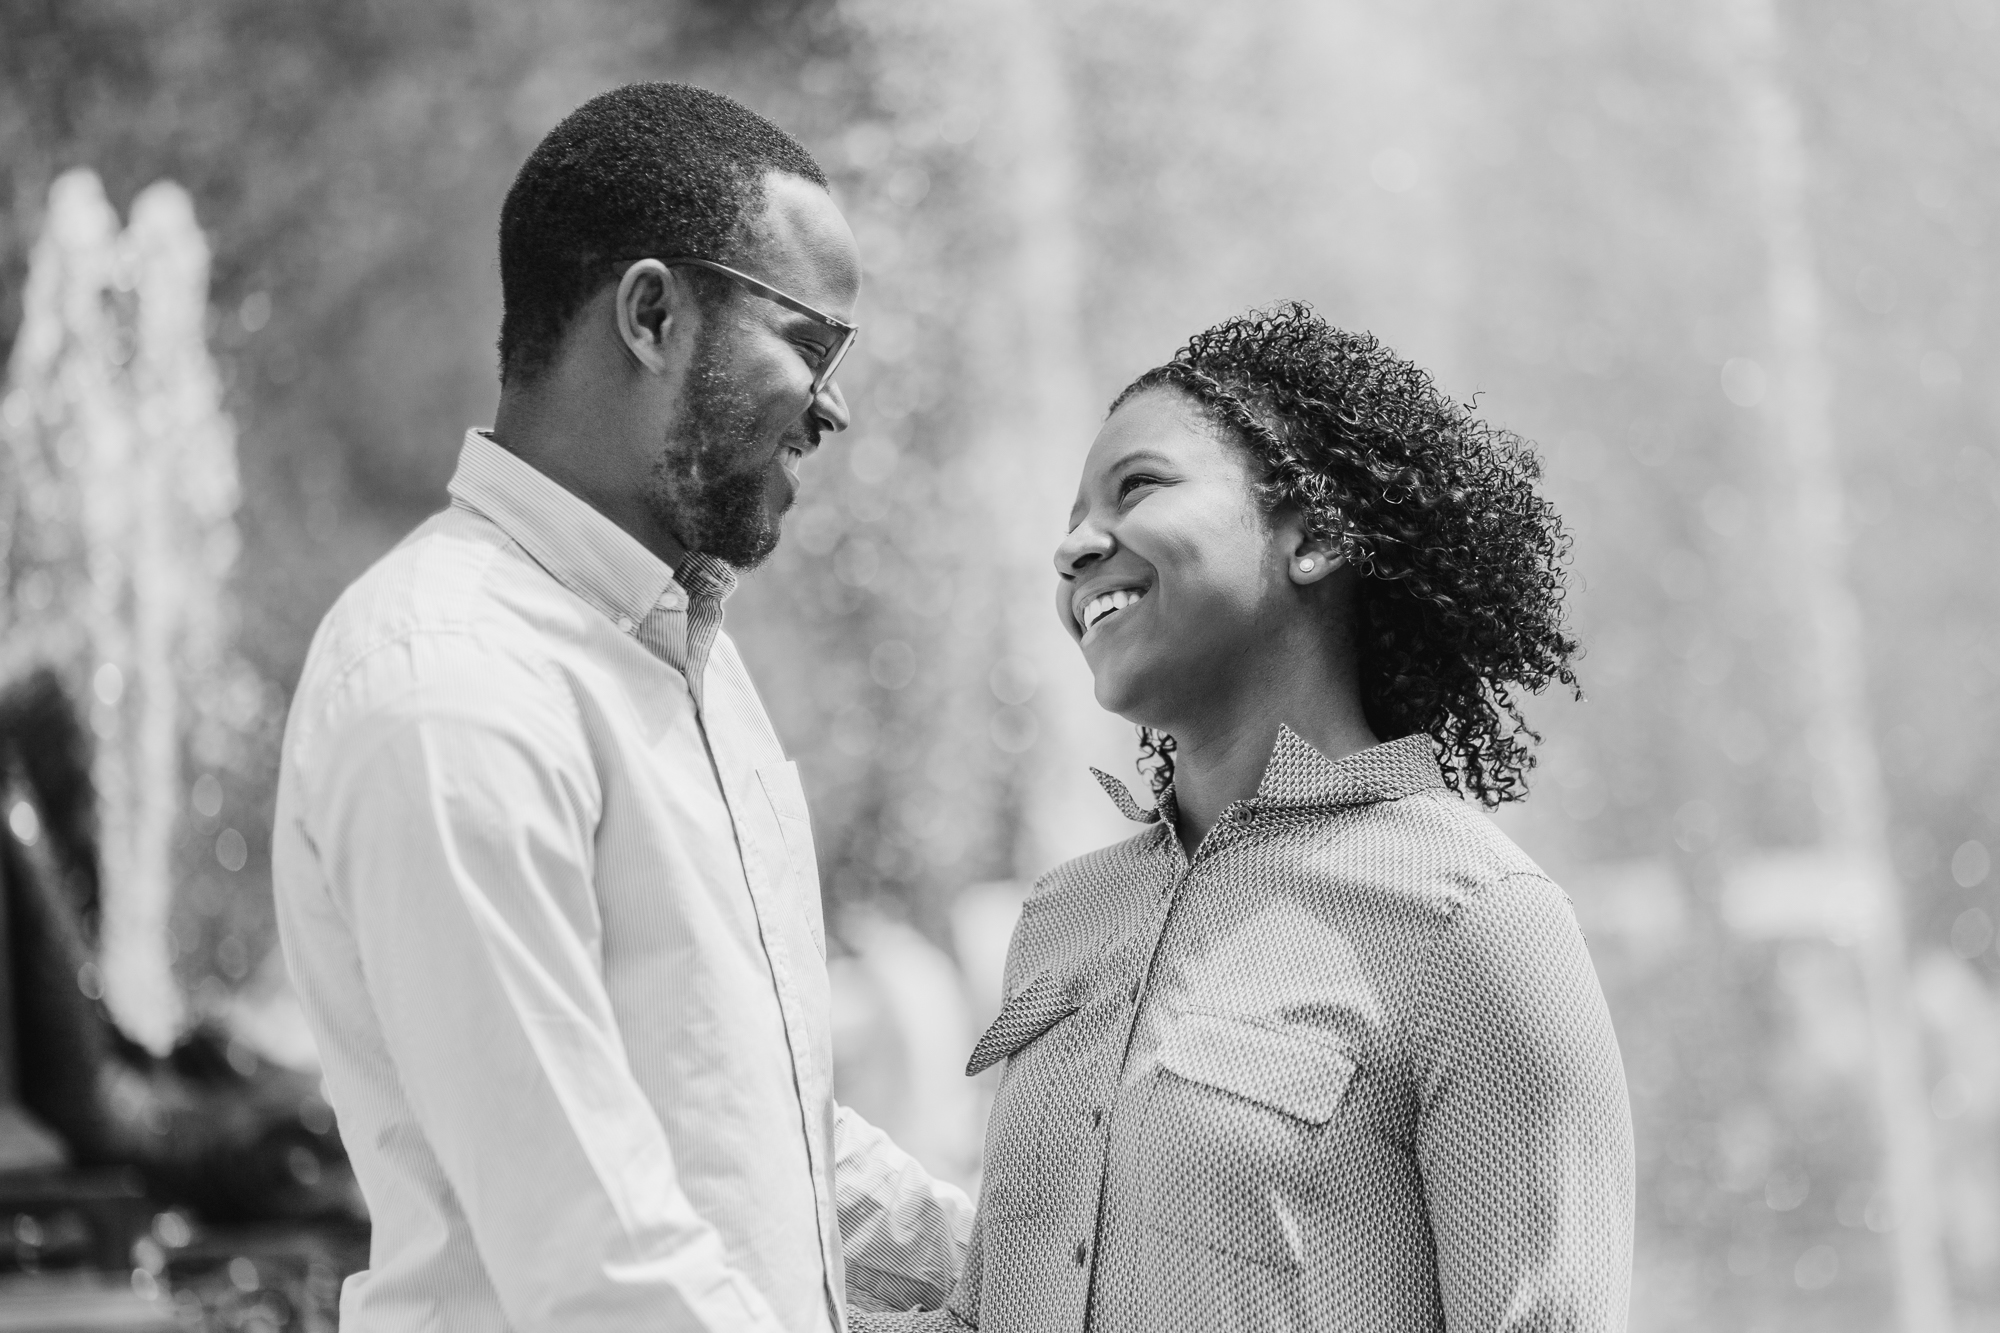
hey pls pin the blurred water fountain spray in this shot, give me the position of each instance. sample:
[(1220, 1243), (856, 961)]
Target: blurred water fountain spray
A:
[(118, 489), (1047, 413), (1811, 545)]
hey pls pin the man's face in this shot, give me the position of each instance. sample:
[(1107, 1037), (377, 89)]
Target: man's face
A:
[(747, 417)]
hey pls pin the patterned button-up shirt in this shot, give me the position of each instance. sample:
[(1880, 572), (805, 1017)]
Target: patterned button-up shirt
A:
[(546, 883), (1346, 1068)]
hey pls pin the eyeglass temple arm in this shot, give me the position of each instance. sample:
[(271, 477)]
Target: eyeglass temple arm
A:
[(763, 289)]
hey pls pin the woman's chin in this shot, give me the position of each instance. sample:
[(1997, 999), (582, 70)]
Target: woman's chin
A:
[(1119, 694), (1105, 689)]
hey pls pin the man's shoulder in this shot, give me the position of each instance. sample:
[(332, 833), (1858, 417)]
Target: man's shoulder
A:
[(434, 579), (454, 602)]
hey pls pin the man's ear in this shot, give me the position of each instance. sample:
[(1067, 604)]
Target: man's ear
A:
[(650, 300)]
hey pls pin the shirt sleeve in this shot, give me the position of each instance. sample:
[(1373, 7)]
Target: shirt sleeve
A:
[(1524, 1132), (902, 1232), (959, 1315), (454, 821)]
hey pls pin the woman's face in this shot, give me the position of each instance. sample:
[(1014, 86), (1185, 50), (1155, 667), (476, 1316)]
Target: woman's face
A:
[(1172, 576)]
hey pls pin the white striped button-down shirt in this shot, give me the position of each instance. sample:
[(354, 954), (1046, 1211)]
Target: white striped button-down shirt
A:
[(555, 921)]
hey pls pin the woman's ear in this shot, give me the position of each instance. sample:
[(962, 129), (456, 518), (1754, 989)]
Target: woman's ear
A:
[(649, 300), (1313, 559), (1308, 558)]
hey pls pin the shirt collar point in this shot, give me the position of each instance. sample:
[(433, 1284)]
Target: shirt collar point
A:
[(1121, 796), (560, 531), (1298, 774)]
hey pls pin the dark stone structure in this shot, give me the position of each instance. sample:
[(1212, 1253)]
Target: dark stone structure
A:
[(207, 1173)]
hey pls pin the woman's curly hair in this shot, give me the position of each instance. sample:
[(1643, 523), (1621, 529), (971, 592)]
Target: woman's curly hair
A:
[(1462, 562)]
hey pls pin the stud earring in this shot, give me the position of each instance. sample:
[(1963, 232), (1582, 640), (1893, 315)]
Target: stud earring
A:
[(1307, 564)]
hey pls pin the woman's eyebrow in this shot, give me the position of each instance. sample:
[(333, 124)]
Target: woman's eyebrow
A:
[(1142, 456)]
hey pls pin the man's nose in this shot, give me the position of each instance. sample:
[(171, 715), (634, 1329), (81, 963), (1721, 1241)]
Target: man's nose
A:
[(829, 409), (1085, 543)]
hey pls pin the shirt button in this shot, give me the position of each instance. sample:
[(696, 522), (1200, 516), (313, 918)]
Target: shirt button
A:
[(1082, 1253), (625, 624)]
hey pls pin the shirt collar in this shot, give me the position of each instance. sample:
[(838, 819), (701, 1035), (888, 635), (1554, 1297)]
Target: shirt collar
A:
[(579, 547), (1297, 775)]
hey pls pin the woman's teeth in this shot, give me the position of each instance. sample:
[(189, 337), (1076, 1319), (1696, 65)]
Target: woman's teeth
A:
[(1105, 603)]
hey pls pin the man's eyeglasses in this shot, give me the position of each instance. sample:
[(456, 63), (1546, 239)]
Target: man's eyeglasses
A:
[(844, 333)]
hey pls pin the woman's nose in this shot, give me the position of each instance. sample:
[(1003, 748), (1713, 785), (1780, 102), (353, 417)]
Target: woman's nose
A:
[(1085, 544)]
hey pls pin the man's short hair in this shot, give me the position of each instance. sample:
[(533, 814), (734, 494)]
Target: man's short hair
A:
[(648, 169)]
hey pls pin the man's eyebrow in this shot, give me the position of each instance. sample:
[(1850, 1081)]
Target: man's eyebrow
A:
[(793, 319)]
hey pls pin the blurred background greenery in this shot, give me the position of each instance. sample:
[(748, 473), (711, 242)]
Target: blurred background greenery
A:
[(1565, 210)]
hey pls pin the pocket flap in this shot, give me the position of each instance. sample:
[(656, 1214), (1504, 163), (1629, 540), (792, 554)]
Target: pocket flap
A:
[(783, 789), (1294, 1071), (1033, 1010)]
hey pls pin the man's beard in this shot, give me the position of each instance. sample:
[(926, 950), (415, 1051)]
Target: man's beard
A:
[(711, 495)]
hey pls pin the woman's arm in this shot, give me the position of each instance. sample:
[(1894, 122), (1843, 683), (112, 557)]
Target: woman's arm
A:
[(1524, 1132)]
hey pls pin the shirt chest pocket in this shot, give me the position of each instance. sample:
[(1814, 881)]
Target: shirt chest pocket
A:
[(1234, 1144), (788, 802)]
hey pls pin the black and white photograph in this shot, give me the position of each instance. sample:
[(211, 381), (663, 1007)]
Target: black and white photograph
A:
[(930, 666)]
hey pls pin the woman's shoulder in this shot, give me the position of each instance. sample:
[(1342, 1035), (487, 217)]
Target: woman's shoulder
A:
[(1446, 851), (1080, 907), (1504, 920), (1139, 859)]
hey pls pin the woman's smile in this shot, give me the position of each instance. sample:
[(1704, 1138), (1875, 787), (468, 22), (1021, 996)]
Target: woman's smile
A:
[(1095, 608)]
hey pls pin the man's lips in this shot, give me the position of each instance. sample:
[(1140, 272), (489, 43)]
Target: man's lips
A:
[(793, 451)]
